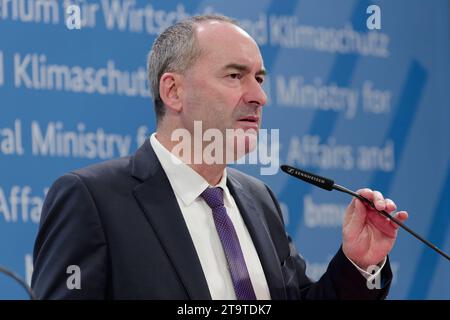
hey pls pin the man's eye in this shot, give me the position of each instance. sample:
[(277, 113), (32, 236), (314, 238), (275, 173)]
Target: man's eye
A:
[(235, 76), (260, 80)]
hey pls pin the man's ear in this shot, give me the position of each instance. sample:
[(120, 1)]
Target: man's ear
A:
[(169, 87)]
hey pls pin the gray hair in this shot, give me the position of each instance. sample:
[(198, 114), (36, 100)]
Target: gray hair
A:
[(175, 50)]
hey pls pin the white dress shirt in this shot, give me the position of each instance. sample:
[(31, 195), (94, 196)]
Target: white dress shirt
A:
[(187, 186)]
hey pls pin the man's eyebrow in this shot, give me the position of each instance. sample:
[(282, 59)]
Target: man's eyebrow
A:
[(244, 68)]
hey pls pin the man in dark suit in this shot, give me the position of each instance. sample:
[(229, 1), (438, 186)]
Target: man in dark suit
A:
[(151, 226)]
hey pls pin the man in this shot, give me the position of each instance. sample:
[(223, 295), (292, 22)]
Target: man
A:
[(151, 226)]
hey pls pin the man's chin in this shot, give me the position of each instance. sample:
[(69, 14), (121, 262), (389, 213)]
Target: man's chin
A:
[(247, 126), (241, 142)]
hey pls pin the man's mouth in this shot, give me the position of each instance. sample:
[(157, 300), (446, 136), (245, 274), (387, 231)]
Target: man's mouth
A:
[(249, 122), (251, 119)]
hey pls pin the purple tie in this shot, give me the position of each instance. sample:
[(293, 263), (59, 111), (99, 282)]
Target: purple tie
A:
[(230, 243)]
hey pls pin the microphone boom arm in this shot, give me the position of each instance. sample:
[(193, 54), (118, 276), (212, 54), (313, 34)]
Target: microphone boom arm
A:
[(392, 218), (329, 185)]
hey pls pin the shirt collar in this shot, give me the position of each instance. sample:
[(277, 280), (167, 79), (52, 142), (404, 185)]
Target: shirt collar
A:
[(185, 181)]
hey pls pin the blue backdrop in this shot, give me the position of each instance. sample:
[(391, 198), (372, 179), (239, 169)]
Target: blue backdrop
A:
[(365, 107)]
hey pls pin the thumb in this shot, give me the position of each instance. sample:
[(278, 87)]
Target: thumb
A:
[(358, 218)]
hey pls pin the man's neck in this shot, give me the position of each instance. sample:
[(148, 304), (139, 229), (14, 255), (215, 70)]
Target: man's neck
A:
[(212, 173)]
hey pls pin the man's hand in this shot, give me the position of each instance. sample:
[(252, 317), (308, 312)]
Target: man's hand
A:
[(368, 236)]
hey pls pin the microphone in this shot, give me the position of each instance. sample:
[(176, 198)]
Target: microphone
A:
[(20, 281), (329, 185)]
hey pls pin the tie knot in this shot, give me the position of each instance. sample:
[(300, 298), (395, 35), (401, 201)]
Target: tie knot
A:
[(213, 197)]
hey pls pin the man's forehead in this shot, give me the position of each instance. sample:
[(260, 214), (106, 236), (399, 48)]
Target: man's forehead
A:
[(222, 34), (224, 39)]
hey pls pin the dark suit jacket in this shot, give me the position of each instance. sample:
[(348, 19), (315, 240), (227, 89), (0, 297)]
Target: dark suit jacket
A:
[(119, 221)]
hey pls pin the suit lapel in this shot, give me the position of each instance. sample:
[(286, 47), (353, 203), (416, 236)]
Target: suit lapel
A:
[(158, 201), (261, 238)]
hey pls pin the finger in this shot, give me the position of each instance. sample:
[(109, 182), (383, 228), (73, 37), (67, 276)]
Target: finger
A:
[(390, 206), (359, 216), (375, 196), (366, 193), (349, 212), (401, 216), (378, 219), (378, 201)]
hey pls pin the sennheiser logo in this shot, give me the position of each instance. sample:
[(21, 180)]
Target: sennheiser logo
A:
[(1, 69), (312, 178)]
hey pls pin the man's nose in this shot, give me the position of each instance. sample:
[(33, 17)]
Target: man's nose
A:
[(254, 94)]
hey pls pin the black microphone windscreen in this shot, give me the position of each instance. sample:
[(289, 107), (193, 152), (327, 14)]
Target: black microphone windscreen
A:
[(314, 179)]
